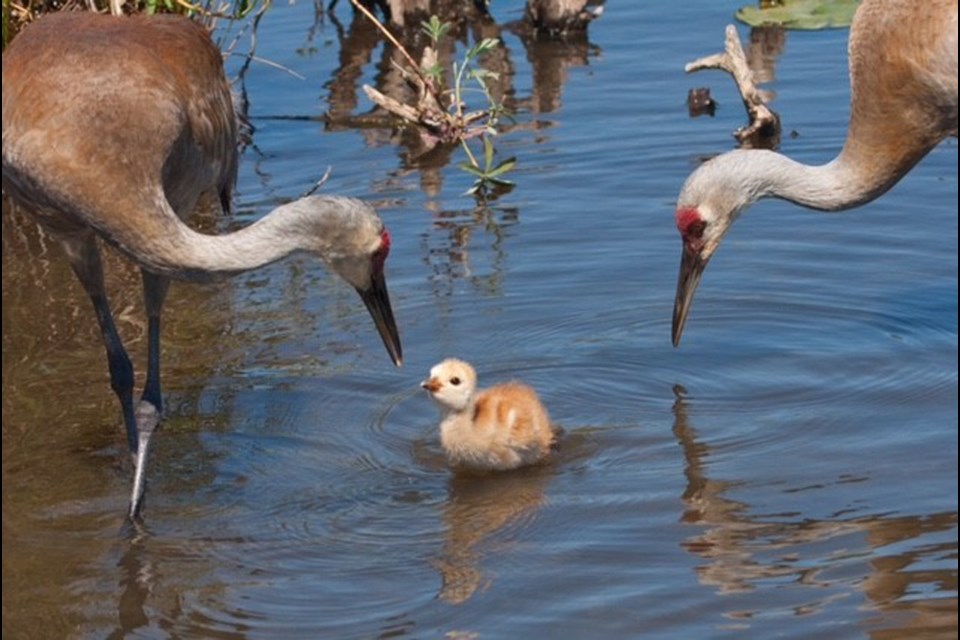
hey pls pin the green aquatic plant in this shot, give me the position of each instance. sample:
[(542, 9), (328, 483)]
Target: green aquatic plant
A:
[(488, 175), (440, 111), (799, 14)]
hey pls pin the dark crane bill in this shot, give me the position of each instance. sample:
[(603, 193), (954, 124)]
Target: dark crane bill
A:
[(377, 301), (691, 270)]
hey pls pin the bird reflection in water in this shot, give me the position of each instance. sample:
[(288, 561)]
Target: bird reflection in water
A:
[(742, 551), (481, 516)]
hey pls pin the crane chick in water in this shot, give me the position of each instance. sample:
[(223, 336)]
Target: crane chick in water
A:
[(495, 429)]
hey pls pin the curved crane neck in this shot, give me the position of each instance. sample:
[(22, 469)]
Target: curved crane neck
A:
[(851, 179), (326, 226)]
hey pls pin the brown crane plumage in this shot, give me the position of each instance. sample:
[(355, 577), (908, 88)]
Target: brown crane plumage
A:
[(115, 127)]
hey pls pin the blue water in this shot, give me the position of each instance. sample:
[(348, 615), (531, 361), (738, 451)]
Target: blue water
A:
[(789, 471)]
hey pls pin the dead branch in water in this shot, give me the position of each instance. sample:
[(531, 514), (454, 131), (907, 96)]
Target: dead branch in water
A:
[(438, 114), (764, 123)]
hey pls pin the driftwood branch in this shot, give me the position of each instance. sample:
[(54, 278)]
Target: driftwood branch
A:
[(764, 122), (395, 107)]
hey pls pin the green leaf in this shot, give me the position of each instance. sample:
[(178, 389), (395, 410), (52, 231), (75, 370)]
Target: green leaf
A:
[(484, 46), (469, 168), (434, 29), (502, 168), (801, 14), (482, 74), (434, 73), (487, 153), (488, 44)]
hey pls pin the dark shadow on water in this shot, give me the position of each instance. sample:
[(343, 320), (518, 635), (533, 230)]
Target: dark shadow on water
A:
[(550, 60)]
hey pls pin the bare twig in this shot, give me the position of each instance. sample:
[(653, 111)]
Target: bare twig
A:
[(403, 51), (322, 181), (206, 13), (733, 61), (395, 107), (271, 63)]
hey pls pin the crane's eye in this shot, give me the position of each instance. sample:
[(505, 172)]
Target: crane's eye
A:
[(455, 381), (696, 229)]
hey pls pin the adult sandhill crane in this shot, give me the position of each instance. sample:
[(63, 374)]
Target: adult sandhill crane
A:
[(115, 127), (903, 85)]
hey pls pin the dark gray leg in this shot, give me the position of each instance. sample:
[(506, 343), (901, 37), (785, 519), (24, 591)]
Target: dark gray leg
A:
[(85, 259), (154, 293), (151, 402)]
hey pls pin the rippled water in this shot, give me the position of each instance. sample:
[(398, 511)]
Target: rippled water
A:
[(790, 471)]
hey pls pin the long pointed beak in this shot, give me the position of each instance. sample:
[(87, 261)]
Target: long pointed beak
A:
[(691, 270), (377, 301)]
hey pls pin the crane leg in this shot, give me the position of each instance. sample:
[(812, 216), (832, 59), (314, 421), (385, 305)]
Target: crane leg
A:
[(84, 258), (154, 293), (149, 409)]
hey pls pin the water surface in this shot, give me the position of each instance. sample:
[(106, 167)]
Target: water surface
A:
[(790, 471)]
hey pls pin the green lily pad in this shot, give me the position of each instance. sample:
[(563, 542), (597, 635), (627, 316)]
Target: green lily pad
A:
[(801, 14)]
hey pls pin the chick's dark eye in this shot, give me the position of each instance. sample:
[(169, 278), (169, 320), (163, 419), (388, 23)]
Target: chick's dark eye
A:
[(455, 381)]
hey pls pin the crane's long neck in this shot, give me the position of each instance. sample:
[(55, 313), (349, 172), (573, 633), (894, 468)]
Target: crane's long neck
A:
[(847, 181), (172, 248), (830, 187), (271, 238)]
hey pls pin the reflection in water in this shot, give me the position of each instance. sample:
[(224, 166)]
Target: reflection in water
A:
[(748, 70), (477, 515), (63, 443), (137, 577), (766, 45), (448, 252), (549, 58), (742, 552)]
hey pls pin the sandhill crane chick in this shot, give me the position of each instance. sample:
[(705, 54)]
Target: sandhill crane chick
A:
[(495, 429)]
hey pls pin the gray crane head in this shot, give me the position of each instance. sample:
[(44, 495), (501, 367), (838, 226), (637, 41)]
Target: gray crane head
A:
[(710, 201), (350, 238)]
